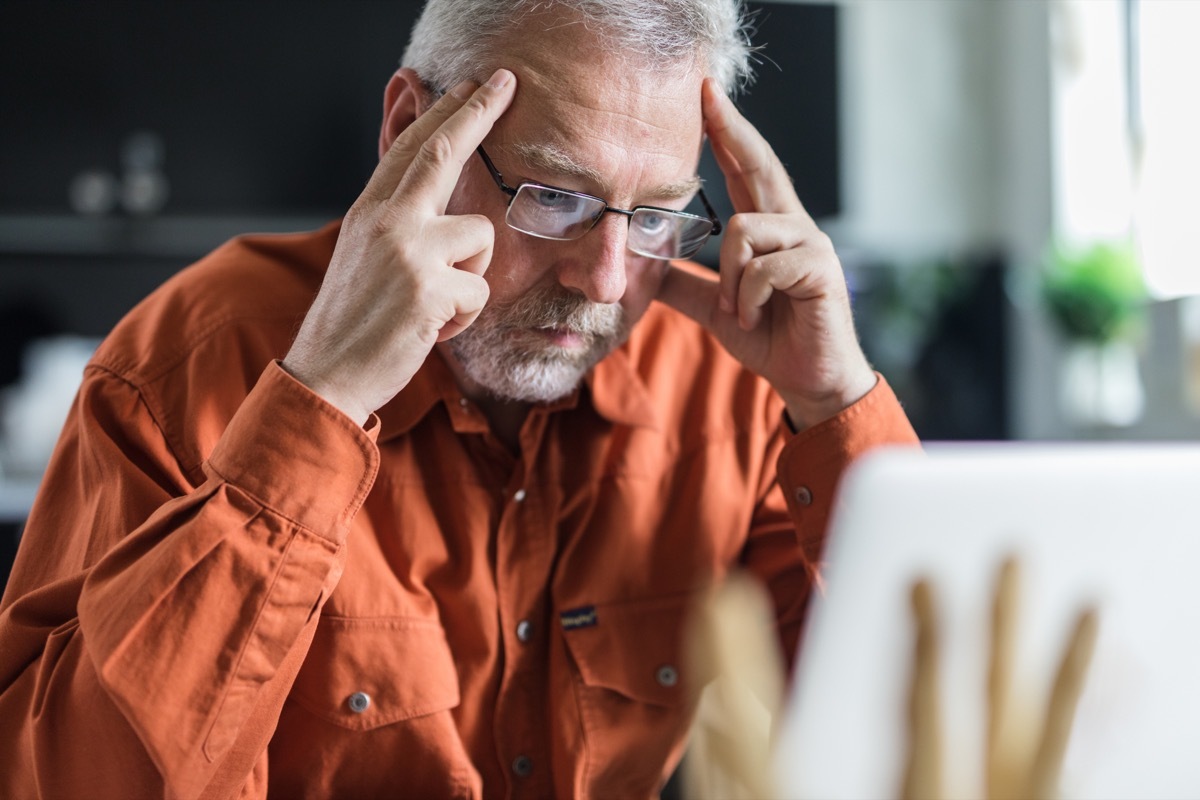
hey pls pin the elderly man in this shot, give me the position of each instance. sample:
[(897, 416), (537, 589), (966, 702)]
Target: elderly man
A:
[(434, 533)]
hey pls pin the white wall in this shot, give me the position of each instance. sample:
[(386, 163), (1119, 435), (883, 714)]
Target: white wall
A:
[(919, 124), (947, 150)]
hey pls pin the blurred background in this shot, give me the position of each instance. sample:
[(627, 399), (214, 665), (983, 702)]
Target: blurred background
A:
[(1008, 182)]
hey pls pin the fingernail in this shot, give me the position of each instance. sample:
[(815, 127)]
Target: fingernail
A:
[(725, 304), (464, 90), (499, 78)]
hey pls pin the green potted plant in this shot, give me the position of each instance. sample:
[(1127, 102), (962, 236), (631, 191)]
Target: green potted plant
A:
[(1095, 294), (1096, 297)]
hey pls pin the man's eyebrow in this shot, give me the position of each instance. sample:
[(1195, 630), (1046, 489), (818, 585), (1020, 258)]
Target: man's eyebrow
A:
[(555, 160), (673, 191)]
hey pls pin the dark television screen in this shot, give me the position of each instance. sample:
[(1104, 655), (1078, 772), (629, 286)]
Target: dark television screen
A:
[(272, 108), (263, 107), (794, 99)]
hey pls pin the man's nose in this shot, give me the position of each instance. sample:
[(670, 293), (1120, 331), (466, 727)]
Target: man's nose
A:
[(594, 264)]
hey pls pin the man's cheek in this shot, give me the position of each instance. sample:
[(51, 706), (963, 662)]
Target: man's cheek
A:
[(645, 278), (654, 273)]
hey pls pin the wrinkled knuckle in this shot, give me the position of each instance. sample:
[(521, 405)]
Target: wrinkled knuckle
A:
[(482, 291), (737, 227), (358, 214), (383, 224), (422, 289), (377, 221), (483, 224), (407, 250), (475, 106), (438, 149), (406, 152), (483, 287), (404, 144), (756, 268)]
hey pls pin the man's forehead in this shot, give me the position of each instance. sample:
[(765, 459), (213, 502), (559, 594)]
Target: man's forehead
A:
[(549, 158), (596, 119), (596, 132)]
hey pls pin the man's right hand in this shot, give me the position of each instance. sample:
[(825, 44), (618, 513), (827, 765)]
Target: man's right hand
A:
[(404, 274)]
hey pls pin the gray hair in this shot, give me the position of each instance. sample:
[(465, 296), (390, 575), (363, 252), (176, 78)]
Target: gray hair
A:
[(454, 39)]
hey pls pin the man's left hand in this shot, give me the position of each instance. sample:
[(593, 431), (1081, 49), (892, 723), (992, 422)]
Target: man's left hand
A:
[(781, 306)]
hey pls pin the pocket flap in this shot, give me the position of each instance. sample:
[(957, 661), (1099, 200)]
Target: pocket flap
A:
[(363, 673), (635, 648)]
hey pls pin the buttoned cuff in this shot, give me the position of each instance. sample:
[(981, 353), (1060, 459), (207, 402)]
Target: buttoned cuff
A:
[(298, 455), (812, 461)]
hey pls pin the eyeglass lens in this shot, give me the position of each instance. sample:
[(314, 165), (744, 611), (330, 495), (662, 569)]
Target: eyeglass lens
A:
[(553, 213), (558, 214)]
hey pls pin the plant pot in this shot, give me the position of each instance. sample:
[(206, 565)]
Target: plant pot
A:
[(1101, 384)]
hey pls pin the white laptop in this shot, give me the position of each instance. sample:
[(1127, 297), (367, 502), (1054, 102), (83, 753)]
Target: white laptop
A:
[(1109, 524)]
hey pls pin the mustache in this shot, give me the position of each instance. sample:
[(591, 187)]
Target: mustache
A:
[(555, 307)]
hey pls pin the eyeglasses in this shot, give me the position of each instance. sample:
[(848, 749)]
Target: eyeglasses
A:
[(548, 212)]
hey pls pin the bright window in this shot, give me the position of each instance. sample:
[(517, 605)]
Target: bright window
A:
[(1127, 131), (1167, 68)]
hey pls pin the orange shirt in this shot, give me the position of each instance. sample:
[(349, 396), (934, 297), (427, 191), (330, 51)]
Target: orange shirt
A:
[(226, 588)]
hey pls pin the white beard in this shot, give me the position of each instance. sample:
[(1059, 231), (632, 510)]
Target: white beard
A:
[(504, 352)]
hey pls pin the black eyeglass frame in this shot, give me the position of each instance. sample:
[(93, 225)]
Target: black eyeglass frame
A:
[(512, 193)]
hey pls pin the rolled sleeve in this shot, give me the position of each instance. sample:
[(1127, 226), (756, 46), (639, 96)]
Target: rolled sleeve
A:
[(298, 455), (813, 461), (219, 587)]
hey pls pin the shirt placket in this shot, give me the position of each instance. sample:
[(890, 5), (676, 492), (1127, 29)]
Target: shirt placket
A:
[(524, 557)]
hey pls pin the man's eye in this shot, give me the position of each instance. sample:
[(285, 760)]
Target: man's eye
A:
[(652, 223), (556, 201)]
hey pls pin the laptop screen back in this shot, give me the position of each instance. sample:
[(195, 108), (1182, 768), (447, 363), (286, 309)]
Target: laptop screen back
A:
[(1110, 525)]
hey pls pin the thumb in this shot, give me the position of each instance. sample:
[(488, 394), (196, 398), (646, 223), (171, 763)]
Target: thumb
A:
[(690, 294)]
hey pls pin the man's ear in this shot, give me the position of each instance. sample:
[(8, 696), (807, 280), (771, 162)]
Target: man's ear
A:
[(404, 100)]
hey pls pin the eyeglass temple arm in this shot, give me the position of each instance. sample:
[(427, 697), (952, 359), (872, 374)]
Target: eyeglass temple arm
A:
[(712, 214), (496, 176)]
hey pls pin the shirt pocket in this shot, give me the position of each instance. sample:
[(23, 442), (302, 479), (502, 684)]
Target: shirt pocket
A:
[(635, 648), (634, 690), (362, 674), (371, 710)]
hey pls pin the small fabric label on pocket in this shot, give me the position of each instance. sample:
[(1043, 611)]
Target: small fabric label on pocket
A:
[(583, 617)]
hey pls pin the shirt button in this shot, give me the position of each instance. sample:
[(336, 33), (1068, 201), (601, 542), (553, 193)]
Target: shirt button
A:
[(359, 702), (524, 630), (804, 496), (667, 676), (522, 766), (520, 495), (464, 402)]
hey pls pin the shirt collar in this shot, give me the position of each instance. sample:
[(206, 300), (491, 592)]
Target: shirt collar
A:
[(617, 393), (432, 382)]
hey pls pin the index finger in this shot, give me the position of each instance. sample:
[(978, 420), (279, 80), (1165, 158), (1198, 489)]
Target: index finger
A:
[(399, 155), (745, 156), (431, 177)]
